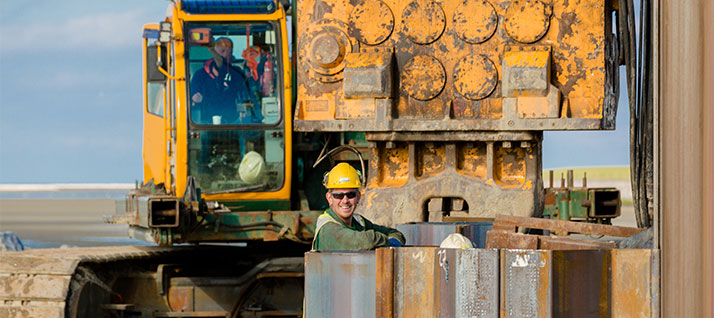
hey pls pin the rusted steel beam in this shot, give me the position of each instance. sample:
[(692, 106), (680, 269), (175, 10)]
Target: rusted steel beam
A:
[(563, 226), (581, 284), (564, 243), (505, 225), (544, 283), (449, 136), (434, 282), (526, 283), (635, 283), (468, 282), (384, 267), (513, 125), (466, 219), (498, 239), (415, 290), (193, 314)]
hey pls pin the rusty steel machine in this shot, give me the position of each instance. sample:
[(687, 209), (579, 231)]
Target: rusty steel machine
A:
[(454, 95), (446, 101)]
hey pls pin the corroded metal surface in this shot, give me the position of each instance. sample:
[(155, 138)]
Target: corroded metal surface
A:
[(581, 283), (635, 283), (492, 173), (590, 283), (505, 234), (423, 77), (423, 21), (580, 92), (339, 284), (384, 284), (324, 48), (36, 283), (475, 77), (368, 74), (527, 21), (468, 282), (543, 283), (500, 239), (415, 282), (526, 71), (475, 21), (512, 223), (434, 282), (371, 22), (526, 283)]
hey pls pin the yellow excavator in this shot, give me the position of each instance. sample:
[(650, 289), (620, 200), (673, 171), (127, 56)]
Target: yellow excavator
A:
[(441, 104)]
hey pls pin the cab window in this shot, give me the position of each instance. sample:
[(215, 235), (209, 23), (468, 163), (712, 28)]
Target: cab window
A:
[(233, 74)]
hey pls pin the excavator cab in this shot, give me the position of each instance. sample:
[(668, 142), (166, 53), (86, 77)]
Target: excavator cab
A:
[(234, 108), (218, 142)]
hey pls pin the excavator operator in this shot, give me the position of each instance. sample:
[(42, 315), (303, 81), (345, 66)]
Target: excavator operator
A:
[(339, 228), (221, 91)]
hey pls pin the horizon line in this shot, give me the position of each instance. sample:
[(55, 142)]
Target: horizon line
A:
[(55, 187)]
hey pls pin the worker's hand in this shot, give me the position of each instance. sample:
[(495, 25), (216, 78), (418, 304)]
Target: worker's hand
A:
[(394, 242), (197, 98)]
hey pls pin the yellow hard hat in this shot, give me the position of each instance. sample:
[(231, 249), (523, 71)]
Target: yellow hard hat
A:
[(342, 176)]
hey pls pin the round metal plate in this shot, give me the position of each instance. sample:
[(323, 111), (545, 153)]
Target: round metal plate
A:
[(324, 47), (527, 21), (475, 77), (475, 21), (326, 50), (423, 21), (371, 22), (423, 77)]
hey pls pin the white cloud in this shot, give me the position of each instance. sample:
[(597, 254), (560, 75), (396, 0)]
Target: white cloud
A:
[(99, 31)]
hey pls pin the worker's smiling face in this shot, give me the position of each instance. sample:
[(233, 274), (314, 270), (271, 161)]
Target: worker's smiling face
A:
[(343, 202)]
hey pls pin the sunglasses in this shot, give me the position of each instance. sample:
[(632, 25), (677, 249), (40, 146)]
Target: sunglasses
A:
[(340, 195)]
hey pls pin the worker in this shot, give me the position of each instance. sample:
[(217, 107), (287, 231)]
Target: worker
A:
[(339, 228), (221, 91), (259, 65)]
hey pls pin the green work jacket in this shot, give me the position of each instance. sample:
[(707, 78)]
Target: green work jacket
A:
[(331, 234)]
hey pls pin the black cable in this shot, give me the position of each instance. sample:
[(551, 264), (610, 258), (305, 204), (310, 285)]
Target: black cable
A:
[(637, 58)]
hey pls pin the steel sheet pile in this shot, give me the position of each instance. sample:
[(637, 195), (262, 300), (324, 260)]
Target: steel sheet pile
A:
[(436, 282)]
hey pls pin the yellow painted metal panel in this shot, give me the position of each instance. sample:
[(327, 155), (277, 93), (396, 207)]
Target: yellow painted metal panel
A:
[(154, 145), (433, 42)]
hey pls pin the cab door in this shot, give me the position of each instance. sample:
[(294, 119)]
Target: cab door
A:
[(154, 108)]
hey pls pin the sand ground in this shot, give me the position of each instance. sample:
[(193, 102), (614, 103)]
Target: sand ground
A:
[(54, 222)]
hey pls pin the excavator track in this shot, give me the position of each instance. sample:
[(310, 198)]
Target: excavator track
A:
[(102, 281), (36, 283)]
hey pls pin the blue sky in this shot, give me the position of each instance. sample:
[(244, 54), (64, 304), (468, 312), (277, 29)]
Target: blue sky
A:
[(70, 96)]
